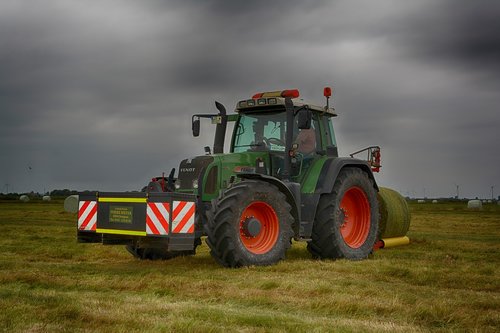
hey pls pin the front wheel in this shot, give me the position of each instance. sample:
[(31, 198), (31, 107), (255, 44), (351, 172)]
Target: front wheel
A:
[(250, 224), (346, 223)]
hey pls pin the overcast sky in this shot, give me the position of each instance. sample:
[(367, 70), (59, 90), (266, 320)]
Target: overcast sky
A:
[(98, 94)]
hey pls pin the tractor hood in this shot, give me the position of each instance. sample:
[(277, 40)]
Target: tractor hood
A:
[(190, 170)]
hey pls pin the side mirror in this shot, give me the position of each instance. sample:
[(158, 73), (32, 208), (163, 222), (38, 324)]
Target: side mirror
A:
[(196, 127), (304, 119)]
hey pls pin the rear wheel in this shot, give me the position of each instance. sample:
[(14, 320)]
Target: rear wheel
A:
[(250, 224), (346, 223)]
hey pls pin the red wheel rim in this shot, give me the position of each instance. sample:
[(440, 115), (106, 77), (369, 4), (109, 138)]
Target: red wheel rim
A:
[(267, 237), (355, 209)]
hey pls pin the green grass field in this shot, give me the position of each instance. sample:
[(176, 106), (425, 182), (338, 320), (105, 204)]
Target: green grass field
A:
[(447, 279)]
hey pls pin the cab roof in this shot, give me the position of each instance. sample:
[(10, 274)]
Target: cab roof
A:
[(273, 103), (270, 101)]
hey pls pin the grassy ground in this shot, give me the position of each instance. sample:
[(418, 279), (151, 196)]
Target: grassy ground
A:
[(447, 279)]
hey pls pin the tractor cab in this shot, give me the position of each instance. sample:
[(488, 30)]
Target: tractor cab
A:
[(296, 131)]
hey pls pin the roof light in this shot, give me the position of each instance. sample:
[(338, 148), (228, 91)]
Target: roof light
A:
[(261, 101), (251, 102), (272, 100), (327, 92), (292, 93)]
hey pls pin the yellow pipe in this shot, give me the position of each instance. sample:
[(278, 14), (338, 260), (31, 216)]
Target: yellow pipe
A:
[(396, 241)]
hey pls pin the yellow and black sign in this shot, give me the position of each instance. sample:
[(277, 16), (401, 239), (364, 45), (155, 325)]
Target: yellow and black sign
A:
[(121, 214)]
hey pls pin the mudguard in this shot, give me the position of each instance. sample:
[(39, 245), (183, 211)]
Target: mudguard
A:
[(290, 189), (328, 175), (331, 170)]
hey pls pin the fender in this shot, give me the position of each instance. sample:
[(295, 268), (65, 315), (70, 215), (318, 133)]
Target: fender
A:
[(328, 175), (332, 168), (290, 189)]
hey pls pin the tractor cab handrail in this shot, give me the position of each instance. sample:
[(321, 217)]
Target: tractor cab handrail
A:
[(373, 157)]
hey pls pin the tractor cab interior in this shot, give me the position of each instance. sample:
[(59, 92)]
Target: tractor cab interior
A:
[(266, 132)]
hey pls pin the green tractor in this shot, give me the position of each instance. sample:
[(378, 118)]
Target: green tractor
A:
[(281, 180)]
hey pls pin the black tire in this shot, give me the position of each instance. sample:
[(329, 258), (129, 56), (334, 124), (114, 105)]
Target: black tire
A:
[(233, 241), (330, 239)]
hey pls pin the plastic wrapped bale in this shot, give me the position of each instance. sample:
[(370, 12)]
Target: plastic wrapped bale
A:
[(24, 198), (46, 198), (474, 204), (71, 204), (394, 214)]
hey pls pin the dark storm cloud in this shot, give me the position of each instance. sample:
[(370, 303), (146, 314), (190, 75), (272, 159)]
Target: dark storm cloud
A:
[(462, 34), (99, 94), (472, 35)]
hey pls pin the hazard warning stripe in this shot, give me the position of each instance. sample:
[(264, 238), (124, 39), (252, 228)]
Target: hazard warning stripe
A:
[(87, 215), (183, 217), (157, 216)]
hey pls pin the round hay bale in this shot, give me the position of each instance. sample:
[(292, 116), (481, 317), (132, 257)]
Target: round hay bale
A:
[(434, 201), (46, 198), (394, 214), (24, 198), (474, 204), (71, 204)]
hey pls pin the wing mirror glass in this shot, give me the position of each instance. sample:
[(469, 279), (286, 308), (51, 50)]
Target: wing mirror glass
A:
[(196, 127), (304, 119)]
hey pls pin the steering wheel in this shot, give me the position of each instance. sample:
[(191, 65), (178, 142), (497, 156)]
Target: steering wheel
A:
[(274, 141)]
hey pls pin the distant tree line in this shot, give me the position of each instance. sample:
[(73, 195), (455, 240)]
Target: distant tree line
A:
[(54, 193)]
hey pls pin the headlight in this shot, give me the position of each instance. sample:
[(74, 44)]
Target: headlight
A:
[(195, 183), (177, 184)]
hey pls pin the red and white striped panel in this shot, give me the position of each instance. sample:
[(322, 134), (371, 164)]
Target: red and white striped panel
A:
[(183, 217), (157, 216), (87, 215)]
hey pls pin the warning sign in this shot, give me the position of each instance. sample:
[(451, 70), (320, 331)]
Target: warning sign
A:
[(120, 214)]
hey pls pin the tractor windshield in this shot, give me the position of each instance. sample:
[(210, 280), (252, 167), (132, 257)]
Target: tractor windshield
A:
[(260, 131)]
